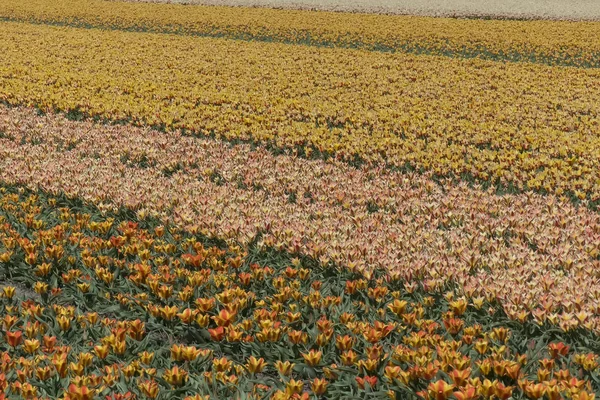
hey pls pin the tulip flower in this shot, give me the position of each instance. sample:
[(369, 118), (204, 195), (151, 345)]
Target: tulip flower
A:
[(312, 358), (149, 388), (319, 386), (467, 393), (217, 334), (558, 349), (224, 318), (80, 392), (176, 376), (362, 382), (14, 338), (440, 390), (284, 367), (255, 365)]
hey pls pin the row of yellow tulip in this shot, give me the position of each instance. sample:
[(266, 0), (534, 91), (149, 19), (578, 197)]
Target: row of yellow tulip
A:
[(572, 43), (115, 305), (531, 126), (530, 253)]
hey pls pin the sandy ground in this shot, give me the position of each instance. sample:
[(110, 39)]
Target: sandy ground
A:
[(543, 9)]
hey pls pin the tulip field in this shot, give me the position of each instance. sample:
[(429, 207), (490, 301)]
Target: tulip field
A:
[(202, 202)]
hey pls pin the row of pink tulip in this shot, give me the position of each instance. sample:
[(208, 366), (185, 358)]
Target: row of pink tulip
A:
[(532, 253)]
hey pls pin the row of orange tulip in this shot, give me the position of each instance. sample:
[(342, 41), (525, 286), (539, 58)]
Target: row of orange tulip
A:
[(287, 330)]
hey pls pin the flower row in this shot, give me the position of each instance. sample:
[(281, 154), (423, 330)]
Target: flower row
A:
[(530, 253), (515, 125), (161, 315), (566, 43)]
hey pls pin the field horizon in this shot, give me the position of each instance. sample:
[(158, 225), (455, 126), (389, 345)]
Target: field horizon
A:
[(576, 10)]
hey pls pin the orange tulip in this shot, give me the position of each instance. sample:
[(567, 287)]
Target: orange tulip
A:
[(297, 337), (584, 396), (371, 381), (28, 391), (60, 364), (481, 346), (349, 357), (203, 320), (187, 316), (319, 386), (535, 391), (64, 322), (558, 349), (9, 321), (101, 351), (513, 370), (440, 390), (294, 387), (8, 291), (176, 376), (168, 312), (255, 365), (190, 353), (459, 377), (149, 388), (372, 335), (221, 364), (392, 372), (503, 392), (398, 306), (225, 318), (344, 342), (43, 373), (80, 392), (40, 288), (312, 358), (31, 346), (137, 330), (459, 306), (284, 367), (467, 393), (217, 334), (14, 338)]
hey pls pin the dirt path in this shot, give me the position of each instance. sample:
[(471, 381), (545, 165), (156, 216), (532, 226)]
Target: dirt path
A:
[(547, 9)]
